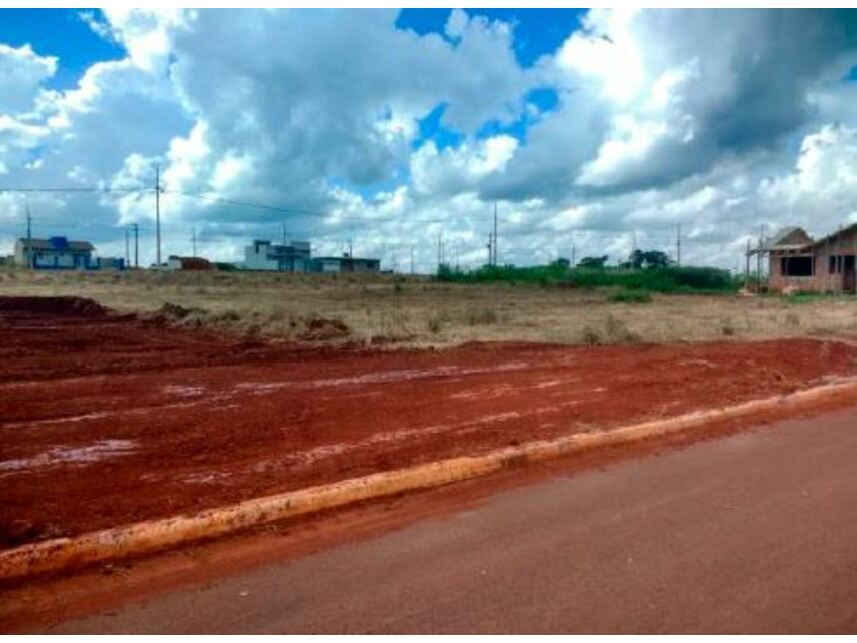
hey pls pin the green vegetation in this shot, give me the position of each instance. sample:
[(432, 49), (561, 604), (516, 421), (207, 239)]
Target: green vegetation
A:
[(631, 297), (666, 279)]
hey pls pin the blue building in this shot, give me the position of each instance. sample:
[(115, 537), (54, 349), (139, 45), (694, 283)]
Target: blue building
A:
[(55, 253)]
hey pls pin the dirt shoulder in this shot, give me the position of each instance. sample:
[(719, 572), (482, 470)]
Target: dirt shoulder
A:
[(108, 419)]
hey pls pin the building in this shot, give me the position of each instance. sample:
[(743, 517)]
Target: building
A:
[(799, 263), (264, 255), (345, 263), (188, 263), (55, 253)]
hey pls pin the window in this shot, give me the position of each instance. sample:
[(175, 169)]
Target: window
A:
[(797, 266)]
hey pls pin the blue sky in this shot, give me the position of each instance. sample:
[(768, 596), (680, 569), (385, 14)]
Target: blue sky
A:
[(537, 31), (61, 33), (574, 135)]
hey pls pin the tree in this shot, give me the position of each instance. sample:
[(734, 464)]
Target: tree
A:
[(593, 262), (648, 259)]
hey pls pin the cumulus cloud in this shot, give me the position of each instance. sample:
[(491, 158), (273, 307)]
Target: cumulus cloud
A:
[(22, 73), (718, 120)]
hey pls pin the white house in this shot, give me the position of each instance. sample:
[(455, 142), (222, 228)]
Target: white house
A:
[(264, 255)]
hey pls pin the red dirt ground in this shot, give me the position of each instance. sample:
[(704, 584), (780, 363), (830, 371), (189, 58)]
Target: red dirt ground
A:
[(106, 420)]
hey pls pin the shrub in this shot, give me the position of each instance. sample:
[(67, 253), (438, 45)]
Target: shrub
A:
[(629, 296), (482, 317)]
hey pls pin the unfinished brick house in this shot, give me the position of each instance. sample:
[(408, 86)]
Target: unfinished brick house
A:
[(799, 263)]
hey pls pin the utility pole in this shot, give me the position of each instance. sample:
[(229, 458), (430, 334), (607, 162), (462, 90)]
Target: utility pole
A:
[(496, 256), (439, 250), (759, 257), (193, 239), (136, 245), (412, 260), (284, 235), (127, 246), (747, 270), (633, 250), (573, 255), (29, 240), (678, 246), (158, 214)]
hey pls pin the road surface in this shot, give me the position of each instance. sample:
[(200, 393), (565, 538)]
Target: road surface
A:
[(756, 532)]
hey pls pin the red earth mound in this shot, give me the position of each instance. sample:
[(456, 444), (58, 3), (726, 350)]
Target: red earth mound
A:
[(78, 306), (107, 420)]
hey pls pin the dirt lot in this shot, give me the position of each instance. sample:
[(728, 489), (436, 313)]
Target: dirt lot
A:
[(107, 419), (418, 312)]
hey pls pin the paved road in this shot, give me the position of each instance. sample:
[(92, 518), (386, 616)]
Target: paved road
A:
[(752, 533)]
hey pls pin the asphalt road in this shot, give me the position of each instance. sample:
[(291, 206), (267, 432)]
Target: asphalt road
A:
[(752, 533)]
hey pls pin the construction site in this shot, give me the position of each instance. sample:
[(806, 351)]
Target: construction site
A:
[(123, 410)]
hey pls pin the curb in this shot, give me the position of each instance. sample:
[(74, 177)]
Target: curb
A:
[(149, 536)]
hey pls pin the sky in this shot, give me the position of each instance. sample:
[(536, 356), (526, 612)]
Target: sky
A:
[(590, 131)]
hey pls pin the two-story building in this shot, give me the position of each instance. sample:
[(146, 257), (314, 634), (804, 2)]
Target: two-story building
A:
[(264, 255)]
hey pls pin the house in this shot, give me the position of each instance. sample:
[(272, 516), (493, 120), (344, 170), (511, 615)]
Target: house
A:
[(264, 255), (188, 263), (55, 253), (345, 263), (797, 262)]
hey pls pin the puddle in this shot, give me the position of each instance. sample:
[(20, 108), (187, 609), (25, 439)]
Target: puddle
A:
[(100, 450)]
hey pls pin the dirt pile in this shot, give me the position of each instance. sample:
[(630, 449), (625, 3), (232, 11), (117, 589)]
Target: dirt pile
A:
[(77, 306)]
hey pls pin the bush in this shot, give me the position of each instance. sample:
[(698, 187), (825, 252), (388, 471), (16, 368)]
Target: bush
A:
[(629, 296), (482, 317)]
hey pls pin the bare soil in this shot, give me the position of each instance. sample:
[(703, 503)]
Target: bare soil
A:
[(107, 419)]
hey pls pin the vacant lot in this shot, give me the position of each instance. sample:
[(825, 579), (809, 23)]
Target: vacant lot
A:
[(418, 311), (106, 419)]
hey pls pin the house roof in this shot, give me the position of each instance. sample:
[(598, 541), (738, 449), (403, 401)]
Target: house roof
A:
[(787, 239), (344, 259), (832, 237), (793, 240), (52, 244)]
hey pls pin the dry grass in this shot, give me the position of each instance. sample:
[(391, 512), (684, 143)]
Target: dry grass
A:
[(418, 311)]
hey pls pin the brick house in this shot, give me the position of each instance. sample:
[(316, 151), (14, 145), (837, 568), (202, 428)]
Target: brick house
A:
[(799, 263)]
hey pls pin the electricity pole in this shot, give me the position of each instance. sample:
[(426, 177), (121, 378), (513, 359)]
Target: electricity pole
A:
[(136, 245), (412, 260), (29, 241), (127, 246), (439, 250), (678, 246), (759, 258), (633, 250), (158, 214), (495, 234), (193, 240)]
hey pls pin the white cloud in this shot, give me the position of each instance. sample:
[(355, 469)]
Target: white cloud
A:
[(718, 120), (22, 73)]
